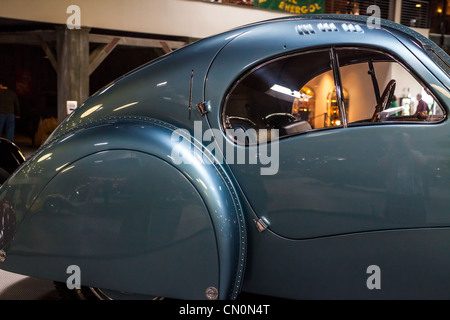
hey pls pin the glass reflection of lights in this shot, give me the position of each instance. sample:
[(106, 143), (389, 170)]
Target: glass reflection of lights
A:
[(101, 144), (62, 140), (45, 157), (286, 91), (106, 89), (59, 168), (67, 169), (202, 183), (91, 110), (126, 106)]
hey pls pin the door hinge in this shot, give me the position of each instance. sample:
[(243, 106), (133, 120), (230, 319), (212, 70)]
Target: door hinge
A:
[(260, 225), (201, 108)]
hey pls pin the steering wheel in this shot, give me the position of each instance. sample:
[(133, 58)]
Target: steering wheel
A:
[(228, 120), (279, 118), (385, 99)]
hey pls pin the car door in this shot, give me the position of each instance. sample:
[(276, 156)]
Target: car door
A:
[(337, 170), (338, 160)]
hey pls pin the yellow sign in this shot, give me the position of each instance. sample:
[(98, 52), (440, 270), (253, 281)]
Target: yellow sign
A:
[(292, 6)]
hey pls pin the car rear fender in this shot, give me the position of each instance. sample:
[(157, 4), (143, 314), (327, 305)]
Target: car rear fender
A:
[(110, 198)]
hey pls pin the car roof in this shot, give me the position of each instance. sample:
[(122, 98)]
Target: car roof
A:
[(394, 27)]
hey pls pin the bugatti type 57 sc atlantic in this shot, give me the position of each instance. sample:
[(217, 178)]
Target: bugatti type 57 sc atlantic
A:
[(305, 157)]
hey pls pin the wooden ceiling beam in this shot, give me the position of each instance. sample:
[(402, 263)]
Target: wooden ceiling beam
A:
[(49, 36)]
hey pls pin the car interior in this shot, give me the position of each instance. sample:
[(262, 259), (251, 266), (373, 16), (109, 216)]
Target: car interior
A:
[(297, 94)]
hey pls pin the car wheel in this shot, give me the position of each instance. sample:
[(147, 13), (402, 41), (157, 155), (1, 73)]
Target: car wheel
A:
[(91, 293)]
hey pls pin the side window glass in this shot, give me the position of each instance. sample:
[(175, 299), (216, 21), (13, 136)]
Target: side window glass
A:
[(293, 94), (380, 89), (297, 94), (319, 102)]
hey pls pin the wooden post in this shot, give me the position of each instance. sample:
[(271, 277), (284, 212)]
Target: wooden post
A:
[(47, 50), (72, 67)]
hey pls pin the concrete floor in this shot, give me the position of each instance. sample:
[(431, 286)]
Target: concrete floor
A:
[(18, 287)]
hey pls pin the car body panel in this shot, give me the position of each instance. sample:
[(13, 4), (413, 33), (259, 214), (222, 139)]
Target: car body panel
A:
[(311, 169), (314, 229), (338, 267), (117, 232), (56, 181)]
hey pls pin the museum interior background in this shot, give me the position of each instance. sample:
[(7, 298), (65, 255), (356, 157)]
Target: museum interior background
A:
[(118, 36)]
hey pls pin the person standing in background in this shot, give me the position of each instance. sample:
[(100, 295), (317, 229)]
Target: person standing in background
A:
[(422, 109), (9, 110)]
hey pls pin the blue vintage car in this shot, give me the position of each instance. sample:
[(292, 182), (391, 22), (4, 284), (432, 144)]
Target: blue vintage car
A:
[(304, 158)]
